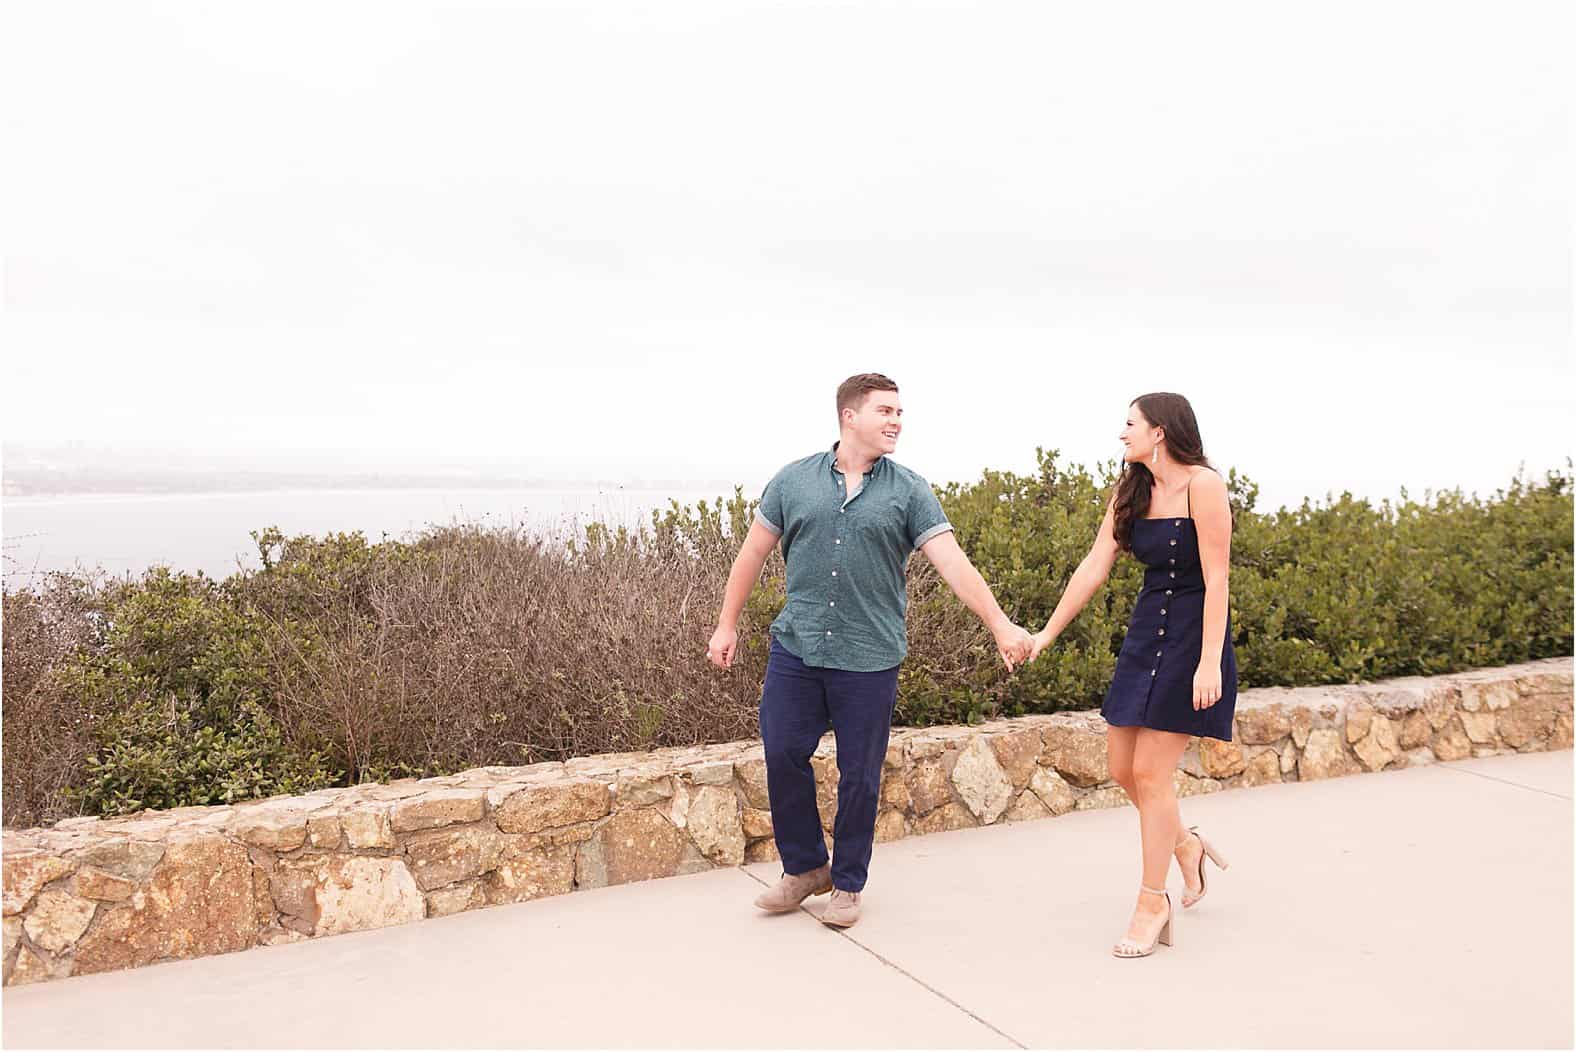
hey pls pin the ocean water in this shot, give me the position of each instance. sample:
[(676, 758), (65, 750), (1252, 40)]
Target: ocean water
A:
[(211, 531)]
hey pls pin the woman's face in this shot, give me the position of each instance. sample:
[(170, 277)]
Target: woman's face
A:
[(1138, 437)]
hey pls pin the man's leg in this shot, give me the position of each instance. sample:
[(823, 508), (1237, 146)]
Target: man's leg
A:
[(793, 718), (860, 704)]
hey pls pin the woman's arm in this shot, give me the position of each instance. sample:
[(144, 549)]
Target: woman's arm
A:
[(1086, 580), (1212, 518)]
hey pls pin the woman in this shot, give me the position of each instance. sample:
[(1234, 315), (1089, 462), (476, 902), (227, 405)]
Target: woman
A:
[(1176, 674)]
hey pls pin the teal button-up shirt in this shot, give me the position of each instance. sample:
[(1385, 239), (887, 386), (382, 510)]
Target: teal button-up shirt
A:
[(846, 591)]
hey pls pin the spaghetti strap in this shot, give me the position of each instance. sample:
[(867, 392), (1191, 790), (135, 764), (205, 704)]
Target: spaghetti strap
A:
[(1190, 496)]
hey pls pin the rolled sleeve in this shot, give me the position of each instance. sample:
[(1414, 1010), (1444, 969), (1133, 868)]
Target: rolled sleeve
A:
[(769, 512), (925, 517)]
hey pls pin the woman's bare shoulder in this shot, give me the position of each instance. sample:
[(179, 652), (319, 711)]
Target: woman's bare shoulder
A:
[(1206, 481)]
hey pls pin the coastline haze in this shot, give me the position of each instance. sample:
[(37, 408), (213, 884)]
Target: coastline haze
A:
[(561, 247)]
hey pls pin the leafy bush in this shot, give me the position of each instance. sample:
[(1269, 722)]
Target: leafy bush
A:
[(1330, 592), (177, 690), (342, 660)]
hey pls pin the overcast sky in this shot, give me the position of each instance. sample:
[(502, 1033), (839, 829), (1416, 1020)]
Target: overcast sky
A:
[(654, 237)]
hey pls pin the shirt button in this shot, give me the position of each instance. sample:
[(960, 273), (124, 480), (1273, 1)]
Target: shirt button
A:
[(840, 541), (831, 604), (829, 633), (834, 573)]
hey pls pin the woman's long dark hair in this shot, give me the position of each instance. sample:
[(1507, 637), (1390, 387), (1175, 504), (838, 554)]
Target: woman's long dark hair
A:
[(1172, 413)]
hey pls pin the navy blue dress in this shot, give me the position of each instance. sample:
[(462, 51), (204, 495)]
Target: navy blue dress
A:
[(1153, 684)]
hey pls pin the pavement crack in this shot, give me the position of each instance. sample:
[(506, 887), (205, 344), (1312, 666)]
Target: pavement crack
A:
[(987, 1024), (1504, 781), (910, 976)]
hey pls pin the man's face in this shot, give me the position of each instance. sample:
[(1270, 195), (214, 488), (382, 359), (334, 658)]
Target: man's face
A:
[(876, 424)]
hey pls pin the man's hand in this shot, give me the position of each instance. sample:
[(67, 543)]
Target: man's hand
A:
[(1042, 640), (1014, 644), (724, 643)]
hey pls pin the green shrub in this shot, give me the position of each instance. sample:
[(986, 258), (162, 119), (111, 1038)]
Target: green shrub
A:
[(177, 692), (341, 660), (1330, 592)]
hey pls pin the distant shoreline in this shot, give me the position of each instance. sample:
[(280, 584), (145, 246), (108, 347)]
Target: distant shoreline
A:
[(31, 489), (127, 532)]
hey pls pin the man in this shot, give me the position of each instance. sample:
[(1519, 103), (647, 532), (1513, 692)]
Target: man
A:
[(848, 520)]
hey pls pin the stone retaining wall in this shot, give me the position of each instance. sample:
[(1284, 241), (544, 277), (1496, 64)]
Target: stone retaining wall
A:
[(90, 895)]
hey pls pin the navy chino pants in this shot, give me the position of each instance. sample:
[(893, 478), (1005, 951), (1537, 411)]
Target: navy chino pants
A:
[(798, 704)]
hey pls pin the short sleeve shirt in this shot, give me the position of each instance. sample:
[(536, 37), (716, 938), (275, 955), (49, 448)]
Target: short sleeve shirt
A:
[(847, 596)]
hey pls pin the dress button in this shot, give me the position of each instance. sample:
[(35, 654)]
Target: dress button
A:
[(1173, 542), (1160, 653), (1162, 610), (1173, 573), (1168, 591), (1173, 562), (1153, 671), (1162, 631), (1179, 522)]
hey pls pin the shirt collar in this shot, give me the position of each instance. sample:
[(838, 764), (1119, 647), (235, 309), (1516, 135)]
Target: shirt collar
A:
[(831, 459)]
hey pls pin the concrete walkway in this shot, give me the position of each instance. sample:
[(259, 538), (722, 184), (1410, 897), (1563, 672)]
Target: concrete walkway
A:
[(1430, 907)]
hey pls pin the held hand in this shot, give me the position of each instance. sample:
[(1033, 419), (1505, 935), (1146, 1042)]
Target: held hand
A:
[(724, 643), (1014, 644), (1042, 640), (1206, 686)]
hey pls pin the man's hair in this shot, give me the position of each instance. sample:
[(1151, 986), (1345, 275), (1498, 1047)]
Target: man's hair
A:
[(852, 391)]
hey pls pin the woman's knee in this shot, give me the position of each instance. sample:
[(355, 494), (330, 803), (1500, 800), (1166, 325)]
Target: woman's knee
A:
[(1150, 783)]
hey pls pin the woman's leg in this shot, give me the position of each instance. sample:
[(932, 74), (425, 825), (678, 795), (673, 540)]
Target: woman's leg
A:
[(1155, 758), (1119, 743)]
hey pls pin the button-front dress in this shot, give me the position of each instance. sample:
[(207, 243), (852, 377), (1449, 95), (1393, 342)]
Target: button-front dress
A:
[(1153, 684)]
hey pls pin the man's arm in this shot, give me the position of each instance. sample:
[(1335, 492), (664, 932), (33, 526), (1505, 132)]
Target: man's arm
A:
[(758, 544), (947, 557)]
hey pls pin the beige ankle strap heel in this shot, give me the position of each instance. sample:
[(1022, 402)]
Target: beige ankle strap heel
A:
[(1165, 936), (1211, 853)]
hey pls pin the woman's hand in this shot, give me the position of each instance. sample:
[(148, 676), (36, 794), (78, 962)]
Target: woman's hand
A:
[(1041, 640), (1206, 686)]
